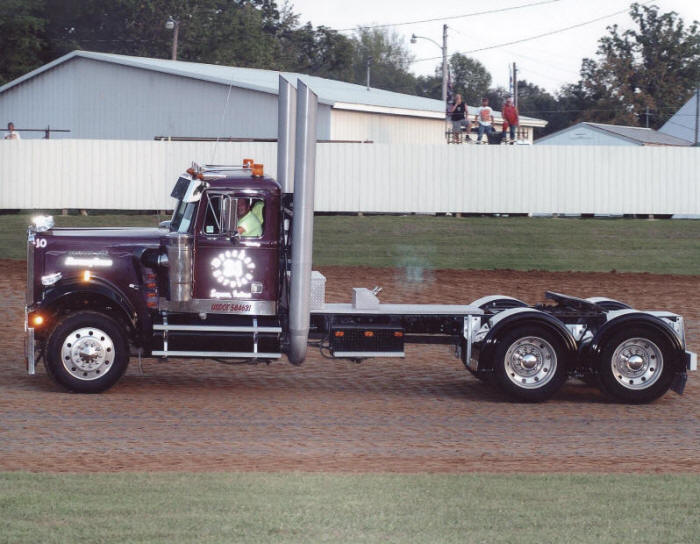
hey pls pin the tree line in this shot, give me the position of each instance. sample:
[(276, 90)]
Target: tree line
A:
[(639, 76)]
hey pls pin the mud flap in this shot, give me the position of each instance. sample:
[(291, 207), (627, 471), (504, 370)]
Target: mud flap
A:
[(678, 383)]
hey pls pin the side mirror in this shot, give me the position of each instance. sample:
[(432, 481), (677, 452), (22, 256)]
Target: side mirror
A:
[(164, 224)]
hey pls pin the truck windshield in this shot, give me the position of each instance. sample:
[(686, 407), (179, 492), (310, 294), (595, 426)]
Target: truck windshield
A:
[(183, 216)]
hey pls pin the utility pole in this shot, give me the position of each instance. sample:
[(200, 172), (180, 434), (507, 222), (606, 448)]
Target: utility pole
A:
[(444, 64), (697, 114), (369, 63), (515, 85), (647, 116), (175, 33), (174, 25)]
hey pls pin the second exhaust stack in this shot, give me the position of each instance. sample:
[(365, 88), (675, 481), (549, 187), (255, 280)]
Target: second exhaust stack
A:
[(303, 222)]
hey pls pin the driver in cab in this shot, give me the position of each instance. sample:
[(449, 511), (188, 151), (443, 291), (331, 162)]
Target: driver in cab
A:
[(248, 223)]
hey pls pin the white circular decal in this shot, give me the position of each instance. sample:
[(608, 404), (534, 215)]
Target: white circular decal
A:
[(232, 268)]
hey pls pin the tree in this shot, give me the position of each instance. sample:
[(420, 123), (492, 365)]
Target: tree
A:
[(469, 78), (253, 33), (22, 25), (534, 101), (319, 51), (389, 60), (655, 66)]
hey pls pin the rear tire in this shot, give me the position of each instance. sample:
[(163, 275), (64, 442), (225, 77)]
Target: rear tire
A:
[(636, 365), (87, 352), (529, 363)]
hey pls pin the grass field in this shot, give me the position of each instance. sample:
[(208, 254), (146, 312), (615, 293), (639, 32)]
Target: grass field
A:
[(519, 243), (255, 507)]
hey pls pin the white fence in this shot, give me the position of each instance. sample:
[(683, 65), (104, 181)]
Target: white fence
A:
[(109, 174)]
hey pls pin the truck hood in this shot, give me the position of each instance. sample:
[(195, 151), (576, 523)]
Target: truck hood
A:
[(125, 233)]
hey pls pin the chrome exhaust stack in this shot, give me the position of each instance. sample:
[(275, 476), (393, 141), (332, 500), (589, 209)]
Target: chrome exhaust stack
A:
[(303, 224), (286, 123)]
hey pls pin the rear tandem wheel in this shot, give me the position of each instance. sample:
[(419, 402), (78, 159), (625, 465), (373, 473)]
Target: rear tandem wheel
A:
[(529, 363), (635, 366)]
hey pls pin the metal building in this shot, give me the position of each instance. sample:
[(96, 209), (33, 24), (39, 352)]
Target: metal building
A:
[(685, 123), (602, 134), (104, 96)]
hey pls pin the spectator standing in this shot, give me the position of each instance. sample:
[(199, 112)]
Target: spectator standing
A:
[(485, 118), (510, 118), (459, 115), (11, 134)]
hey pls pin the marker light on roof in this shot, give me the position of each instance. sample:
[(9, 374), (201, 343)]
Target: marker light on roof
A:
[(248, 163), (257, 170)]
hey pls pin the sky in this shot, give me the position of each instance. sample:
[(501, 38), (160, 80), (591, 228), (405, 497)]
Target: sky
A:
[(549, 62)]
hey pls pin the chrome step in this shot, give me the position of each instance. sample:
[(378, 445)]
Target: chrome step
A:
[(218, 354), (215, 328)]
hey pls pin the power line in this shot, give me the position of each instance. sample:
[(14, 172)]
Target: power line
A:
[(473, 14), (544, 34)]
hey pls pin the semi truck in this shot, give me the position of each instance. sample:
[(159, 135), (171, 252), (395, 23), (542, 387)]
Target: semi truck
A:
[(229, 278)]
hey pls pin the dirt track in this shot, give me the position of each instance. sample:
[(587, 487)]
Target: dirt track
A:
[(424, 413)]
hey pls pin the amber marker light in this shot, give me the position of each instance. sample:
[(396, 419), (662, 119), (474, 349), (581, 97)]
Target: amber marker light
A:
[(339, 333), (257, 170), (87, 275), (37, 320), (369, 334), (247, 163)]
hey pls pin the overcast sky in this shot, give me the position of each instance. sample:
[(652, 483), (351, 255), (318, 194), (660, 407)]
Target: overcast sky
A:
[(549, 62)]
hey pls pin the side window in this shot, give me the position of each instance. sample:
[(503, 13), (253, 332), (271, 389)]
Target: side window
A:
[(250, 217), (215, 217)]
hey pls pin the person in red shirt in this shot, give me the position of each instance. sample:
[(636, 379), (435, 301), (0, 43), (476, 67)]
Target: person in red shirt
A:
[(510, 117)]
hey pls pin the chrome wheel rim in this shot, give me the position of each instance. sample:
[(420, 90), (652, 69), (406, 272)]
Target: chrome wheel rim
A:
[(637, 363), (530, 362), (87, 353)]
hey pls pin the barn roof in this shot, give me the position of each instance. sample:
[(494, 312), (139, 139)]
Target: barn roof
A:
[(337, 94), (636, 135), (682, 124)]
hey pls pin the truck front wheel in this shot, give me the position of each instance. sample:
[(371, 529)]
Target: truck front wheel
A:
[(529, 364), (635, 366), (87, 352)]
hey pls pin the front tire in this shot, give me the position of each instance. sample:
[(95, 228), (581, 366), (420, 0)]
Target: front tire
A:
[(529, 364), (635, 366), (87, 352)]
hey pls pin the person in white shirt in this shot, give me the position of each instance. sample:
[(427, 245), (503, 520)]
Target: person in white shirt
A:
[(11, 134), (485, 118)]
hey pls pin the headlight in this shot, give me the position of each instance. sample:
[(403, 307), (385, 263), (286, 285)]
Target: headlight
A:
[(42, 223), (50, 279)]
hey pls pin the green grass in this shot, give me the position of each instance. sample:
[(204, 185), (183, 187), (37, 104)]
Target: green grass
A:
[(519, 243), (254, 507)]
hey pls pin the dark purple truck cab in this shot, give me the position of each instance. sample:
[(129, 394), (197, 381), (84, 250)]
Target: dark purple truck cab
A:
[(197, 286)]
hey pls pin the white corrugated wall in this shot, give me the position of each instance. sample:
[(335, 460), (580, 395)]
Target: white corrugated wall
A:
[(383, 128), (128, 174)]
